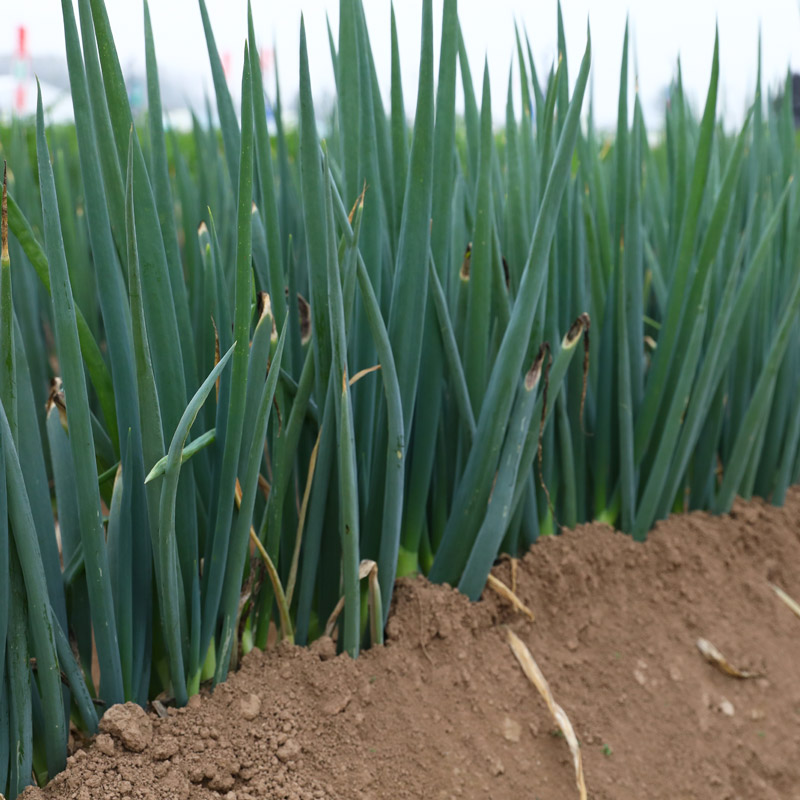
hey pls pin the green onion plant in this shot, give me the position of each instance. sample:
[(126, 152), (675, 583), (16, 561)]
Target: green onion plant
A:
[(248, 377)]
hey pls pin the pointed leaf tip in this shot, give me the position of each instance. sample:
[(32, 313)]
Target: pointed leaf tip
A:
[(4, 216)]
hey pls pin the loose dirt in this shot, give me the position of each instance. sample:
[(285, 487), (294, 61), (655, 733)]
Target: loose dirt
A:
[(444, 710)]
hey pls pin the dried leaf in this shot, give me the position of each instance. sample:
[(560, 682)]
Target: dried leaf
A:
[(535, 676), (715, 657), (365, 568), (330, 625), (159, 708), (312, 466), (498, 586), (361, 373), (793, 604)]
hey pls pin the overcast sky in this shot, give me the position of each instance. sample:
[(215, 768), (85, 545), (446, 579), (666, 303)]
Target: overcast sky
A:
[(660, 31)]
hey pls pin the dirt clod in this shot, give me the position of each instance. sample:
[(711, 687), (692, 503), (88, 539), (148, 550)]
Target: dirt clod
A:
[(288, 751), (324, 647), (130, 724), (166, 747), (105, 744), (250, 706)]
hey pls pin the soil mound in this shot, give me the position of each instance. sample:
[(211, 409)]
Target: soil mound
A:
[(444, 710)]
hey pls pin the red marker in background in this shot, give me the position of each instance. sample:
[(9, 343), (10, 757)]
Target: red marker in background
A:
[(21, 67), (22, 36), (266, 57)]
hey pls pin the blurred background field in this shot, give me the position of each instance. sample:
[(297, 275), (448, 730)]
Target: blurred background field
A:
[(659, 33)]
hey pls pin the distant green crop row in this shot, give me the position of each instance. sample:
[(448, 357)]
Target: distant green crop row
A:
[(218, 459)]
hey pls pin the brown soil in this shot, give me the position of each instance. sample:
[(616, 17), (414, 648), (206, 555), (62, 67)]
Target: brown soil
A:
[(444, 710)]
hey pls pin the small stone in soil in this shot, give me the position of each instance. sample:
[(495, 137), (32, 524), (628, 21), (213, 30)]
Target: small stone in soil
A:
[(726, 707), (511, 729), (496, 767)]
